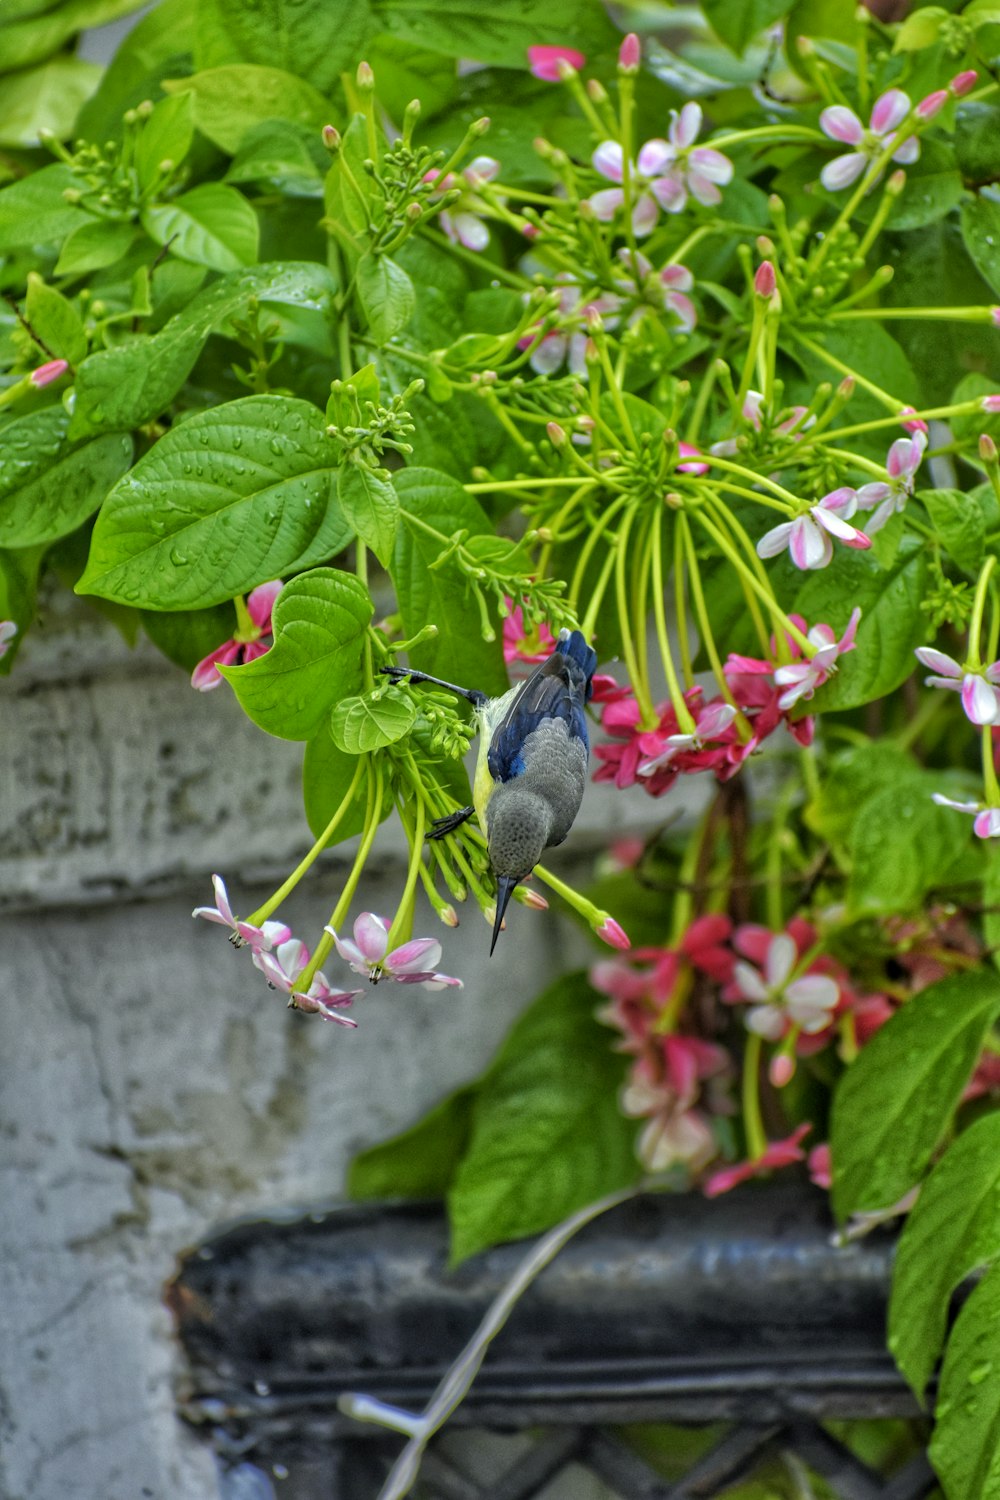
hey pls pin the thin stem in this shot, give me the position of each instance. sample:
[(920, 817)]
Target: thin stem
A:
[(648, 715), (752, 1122), (263, 912), (685, 720)]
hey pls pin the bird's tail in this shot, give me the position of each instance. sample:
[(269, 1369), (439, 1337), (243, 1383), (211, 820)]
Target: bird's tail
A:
[(572, 644)]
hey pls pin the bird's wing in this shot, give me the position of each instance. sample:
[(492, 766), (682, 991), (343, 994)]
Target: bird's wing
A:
[(556, 691)]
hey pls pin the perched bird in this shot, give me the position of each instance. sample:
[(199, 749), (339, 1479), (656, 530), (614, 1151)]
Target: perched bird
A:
[(532, 766)]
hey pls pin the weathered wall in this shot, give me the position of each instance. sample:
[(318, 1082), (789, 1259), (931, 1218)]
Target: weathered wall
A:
[(152, 1087)]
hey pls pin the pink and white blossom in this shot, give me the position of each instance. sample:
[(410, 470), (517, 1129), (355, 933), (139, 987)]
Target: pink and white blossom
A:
[(8, 630), (842, 124), (462, 221), (980, 690), (667, 288), (243, 646), (259, 939), (712, 721), (664, 173), (414, 962), (883, 498), (547, 63), (776, 999), (986, 824), (808, 537), (283, 966), (800, 679), (782, 1153)]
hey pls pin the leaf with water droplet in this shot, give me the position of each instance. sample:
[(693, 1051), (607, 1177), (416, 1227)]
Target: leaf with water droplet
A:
[(49, 485), (964, 1448)]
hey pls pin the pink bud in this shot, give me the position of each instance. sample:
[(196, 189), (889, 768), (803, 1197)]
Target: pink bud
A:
[(929, 107), (910, 422), (611, 933), (963, 82), (764, 282), (995, 316), (530, 231), (987, 448), (46, 374), (630, 54), (531, 898), (990, 403), (449, 916), (548, 63), (782, 1069), (896, 183), (331, 137), (365, 77), (556, 434)]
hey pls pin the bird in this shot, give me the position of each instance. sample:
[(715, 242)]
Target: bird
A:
[(532, 766)]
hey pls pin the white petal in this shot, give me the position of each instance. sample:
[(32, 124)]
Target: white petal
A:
[(842, 171), (609, 161), (780, 961)]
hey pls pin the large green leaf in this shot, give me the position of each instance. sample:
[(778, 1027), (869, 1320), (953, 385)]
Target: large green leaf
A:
[(372, 721), (166, 136), (213, 225), (738, 22), (319, 621), (238, 494), (953, 1230), (54, 321), (547, 1135), (33, 210), (895, 1102), (315, 39), (327, 774), (48, 485), (501, 32), (439, 596), (369, 503), (958, 519), (981, 232), (231, 99), (419, 1162), (387, 296), (903, 845), (94, 245), (965, 1448), (29, 40), (158, 47), (135, 382), (46, 97), (892, 622)]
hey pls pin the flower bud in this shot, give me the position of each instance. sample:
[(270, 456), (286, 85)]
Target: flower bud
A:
[(448, 915), (556, 434), (896, 183), (910, 422), (479, 127), (962, 83), (331, 137), (46, 374), (990, 404), (534, 899), (610, 932), (932, 104), (365, 78), (596, 92), (782, 1069), (987, 448), (629, 54), (995, 316), (764, 281), (548, 62)]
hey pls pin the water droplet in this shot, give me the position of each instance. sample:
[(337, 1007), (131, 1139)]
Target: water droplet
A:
[(237, 440), (178, 558), (979, 1372), (275, 445)]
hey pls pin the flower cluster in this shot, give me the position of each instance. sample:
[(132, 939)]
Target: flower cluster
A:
[(664, 173)]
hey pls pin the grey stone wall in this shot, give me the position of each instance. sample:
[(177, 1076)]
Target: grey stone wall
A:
[(152, 1088)]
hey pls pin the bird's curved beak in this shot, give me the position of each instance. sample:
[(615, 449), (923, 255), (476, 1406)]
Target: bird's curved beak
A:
[(505, 889)]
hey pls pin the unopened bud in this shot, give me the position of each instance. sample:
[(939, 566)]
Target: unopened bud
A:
[(365, 78), (534, 899), (448, 915), (596, 92), (610, 932), (479, 127), (565, 69), (413, 212), (896, 183), (782, 1069), (991, 404), (331, 137), (71, 195), (165, 166), (764, 281), (987, 449), (129, 117), (806, 46), (910, 422), (962, 83), (145, 109), (845, 389), (593, 319), (46, 374), (543, 148), (556, 434), (629, 54), (932, 104)]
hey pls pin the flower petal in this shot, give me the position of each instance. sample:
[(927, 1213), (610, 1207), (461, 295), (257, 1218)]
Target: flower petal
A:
[(654, 157), (419, 956), (775, 540), (936, 661), (780, 960), (371, 934), (842, 124), (644, 215), (684, 128), (260, 602), (609, 160), (842, 171), (606, 204), (980, 699), (711, 165), (890, 109)]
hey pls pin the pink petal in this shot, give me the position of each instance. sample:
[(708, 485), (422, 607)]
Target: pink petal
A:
[(980, 701), (206, 675), (669, 192), (841, 529), (549, 354), (470, 231), (711, 164), (909, 151), (870, 495), (703, 189), (936, 661), (684, 308), (842, 171), (644, 215), (890, 110), (684, 127), (419, 956), (904, 456), (943, 801), (481, 169), (775, 540), (987, 823), (609, 161), (842, 124), (606, 204), (260, 603), (842, 502), (544, 61), (372, 936), (809, 547), (677, 278), (655, 156)]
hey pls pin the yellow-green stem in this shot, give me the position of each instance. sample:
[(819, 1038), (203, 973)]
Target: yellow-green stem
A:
[(305, 864)]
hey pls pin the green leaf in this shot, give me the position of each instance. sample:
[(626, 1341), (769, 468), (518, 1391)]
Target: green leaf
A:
[(372, 721), (419, 1162), (958, 520), (30, 40), (387, 296), (55, 321), (547, 1135), (439, 596), (501, 32), (33, 210), (48, 485), (158, 47), (892, 623), (897, 1099), (991, 902), (212, 225), (902, 846), (965, 1449), (981, 233), (319, 620), (18, 592), (348, 191), (166, 136), (236, 495), (738, 22), (327, 775), (188, 635), (953, 1230), (228, 101), (853, 776), (94, 245), (369, 503), (277, 152), (315, 39), (133, 383), (977, 140), (44, 98), (864, 346)]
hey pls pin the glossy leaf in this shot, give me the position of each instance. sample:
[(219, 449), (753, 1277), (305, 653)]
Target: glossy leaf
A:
[(387, 296), (166, 136), (902, 846), (49, 485), (319, 624), (229, 100), (500, 34), (46, 97), (547, 1136), (960, 523), (372, 721), (738, 22), (33, 210), (953, 1230), (419, 1162), (315, 40), (896, 1101), (94, 245), (964, 1448), (237, 495), (213, 225), (55, 321), (981, 233), (368, 501)]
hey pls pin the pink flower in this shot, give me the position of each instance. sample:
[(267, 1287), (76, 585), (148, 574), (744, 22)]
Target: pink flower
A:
[(568, 342), (776, 999), (987, 819), (712, 721), (8, 630), (613, 933), (979, 690), (792, 421), (664, 1090), (808, 537), (820, 1166), (910, 422), (259, 939), (48, 373), (519, 645), (842, 124), (663, 175), (630, 54), (665, 288), (801, 679), (414, 962), (902, 463), (764, 281), (461, 221), (282, 968), (990, 404), (674, 751), (544, 62), (690, 452), (245, 645), (778, 1154)]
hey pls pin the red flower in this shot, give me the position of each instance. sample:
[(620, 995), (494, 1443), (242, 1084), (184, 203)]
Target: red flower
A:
[(520, 644), (778, 1154), (244, 646)]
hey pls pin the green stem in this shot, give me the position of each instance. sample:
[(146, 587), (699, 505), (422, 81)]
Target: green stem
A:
[(270, 906), (752, 1122), (403, 920), (764, 594), (685, 720), (648, 716), (978, 609)]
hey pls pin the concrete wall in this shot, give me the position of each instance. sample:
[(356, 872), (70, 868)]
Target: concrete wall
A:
[(151, 1086)]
